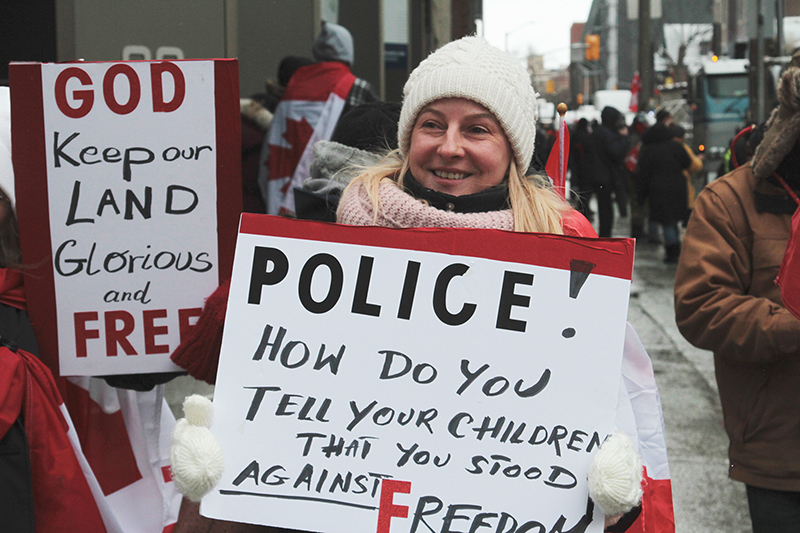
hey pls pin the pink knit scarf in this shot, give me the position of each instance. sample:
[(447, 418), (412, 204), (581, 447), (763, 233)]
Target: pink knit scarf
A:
[(400, 210)]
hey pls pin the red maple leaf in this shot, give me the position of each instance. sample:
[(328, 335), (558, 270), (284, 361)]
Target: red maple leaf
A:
[(283, 161)]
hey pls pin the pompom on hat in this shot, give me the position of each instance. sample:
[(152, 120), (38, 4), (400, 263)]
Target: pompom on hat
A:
[(473, 69)]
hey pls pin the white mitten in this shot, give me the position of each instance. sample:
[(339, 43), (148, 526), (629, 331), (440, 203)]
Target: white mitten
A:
[(196, 456), (615, 476)]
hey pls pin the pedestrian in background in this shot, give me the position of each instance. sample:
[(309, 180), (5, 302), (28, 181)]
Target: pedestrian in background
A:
[(726, 301), (662, 160), (580, 163), (315, 98), (610, 141), (689, 173), (638, 208)]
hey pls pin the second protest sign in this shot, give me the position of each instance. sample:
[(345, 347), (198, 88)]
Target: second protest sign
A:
[(374, 379)]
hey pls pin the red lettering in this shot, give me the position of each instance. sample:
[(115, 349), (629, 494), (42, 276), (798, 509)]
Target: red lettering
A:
[(120, 325), (184, 320), (156, 72), (86, 97), (133, 83), (116, 336), (82, 334), (387, 508), (151, 331)]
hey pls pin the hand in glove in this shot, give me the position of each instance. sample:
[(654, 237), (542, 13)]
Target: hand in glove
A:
[(196, 456), (615, 477)]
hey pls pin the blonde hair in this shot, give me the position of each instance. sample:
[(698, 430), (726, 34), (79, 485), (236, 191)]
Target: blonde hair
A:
[(535, 205)]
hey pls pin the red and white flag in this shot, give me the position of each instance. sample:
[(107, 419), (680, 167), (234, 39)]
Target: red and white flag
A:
[(558, 160), (125, 436), (635, 86), (308, 112), (639, 415)]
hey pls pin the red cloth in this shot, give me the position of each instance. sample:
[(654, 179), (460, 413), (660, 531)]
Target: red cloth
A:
[(198, 352), (789, 274), (62, 498), (576, 225), (11, 290)]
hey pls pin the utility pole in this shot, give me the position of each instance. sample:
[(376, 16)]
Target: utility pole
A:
[(760, 62), (612, 46), (645, 56)]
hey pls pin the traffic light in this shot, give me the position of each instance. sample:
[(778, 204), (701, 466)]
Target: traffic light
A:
[(592, 48)]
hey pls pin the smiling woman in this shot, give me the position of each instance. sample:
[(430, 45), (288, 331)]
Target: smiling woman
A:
[(458, 147), (466, 135)]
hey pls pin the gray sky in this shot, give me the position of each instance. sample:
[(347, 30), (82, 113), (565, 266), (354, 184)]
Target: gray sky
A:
[(541, 25)]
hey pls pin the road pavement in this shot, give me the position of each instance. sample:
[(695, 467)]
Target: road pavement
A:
[(705, 499)]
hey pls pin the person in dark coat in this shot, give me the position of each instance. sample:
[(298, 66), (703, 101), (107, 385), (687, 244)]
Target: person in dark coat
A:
[(610, 141), (580, 162), (662, 160)]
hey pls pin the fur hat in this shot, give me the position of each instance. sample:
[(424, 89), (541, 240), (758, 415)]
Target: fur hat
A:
[(783, 125), (6, 169), (333, 43), (473, 69)]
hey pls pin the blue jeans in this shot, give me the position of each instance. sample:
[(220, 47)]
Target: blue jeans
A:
[(774, 511), (671, 235), (670, 230)]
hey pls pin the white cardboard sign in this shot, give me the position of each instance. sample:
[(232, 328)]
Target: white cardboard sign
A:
[(414, 380), (123, 170)]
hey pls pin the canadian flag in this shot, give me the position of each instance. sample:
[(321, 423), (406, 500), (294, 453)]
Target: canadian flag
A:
[(639, 415), (635, 86), (308, 112), (125, 436)]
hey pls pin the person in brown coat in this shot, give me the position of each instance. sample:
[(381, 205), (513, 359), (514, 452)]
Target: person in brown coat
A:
[(726, 301)]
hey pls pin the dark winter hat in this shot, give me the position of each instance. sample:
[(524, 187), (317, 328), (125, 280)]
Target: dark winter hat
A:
[(288, 66), (333, 43), (662, 114), (609, 116), (370, 127)]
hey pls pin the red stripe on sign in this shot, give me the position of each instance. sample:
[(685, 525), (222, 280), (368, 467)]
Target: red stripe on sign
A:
[(229, 162), (170, 528), (30, 171), (166, 471), (613, 257)]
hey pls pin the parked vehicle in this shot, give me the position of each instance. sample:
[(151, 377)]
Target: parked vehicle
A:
[(720, 98)]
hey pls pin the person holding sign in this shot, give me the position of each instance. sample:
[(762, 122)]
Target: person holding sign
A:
[(42, 483), (466, 136)]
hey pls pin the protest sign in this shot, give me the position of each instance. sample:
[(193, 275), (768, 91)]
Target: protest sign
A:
[(374, 379), (128, 192)]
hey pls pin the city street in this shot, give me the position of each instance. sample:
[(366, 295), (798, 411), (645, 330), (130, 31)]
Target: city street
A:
[(705, 499)]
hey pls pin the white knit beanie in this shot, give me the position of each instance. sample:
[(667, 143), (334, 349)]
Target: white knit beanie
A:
[(473, 69)]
